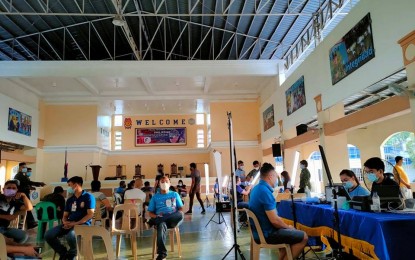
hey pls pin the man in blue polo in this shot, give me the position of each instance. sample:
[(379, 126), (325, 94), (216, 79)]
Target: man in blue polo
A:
[(263, 204), (79, 210)]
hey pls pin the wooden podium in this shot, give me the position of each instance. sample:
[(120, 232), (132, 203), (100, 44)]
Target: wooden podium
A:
[(95, 171)]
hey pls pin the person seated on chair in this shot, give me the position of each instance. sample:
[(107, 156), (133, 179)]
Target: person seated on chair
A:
[(262, 203), (351, 183), (375, 172), (57, 198), (136, 192), (121, 188), (165, 210), (181, 189), (286, 181), (79, 210), (19, 250), (11, 202), (99, 196), (241, 204)]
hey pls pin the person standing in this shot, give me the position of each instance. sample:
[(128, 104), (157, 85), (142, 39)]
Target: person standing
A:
[(240, 172), (79, 210), (262, 203), (252, 174), (195, 188), (23, 176), (403, 179), (165, 210), (304, 177)]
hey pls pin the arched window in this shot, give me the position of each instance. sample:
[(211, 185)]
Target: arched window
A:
[(315, 168), (400, 144)]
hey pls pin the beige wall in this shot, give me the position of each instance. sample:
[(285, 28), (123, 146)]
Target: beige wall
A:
[(70, 125), (245, 119)]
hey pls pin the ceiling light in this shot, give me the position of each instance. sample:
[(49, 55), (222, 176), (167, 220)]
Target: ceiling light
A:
[(118, 21)]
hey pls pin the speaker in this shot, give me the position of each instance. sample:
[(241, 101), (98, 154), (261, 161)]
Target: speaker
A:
[(301, 129), (276, 150), (223, 206)]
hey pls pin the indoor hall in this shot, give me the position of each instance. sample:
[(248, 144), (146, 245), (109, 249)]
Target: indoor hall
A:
[(126, 86)]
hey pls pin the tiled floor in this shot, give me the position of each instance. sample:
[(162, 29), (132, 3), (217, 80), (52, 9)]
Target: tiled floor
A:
[(198, 242)]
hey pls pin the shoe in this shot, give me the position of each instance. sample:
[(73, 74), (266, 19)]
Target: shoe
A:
[(203, 212), (188, 212), (161, 257)]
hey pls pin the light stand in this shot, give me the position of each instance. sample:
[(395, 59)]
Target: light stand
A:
[(220, 215), (235, 246)]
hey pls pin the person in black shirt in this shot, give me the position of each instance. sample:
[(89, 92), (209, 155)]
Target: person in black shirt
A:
[(195, 189), (23, 176), (58, 199)]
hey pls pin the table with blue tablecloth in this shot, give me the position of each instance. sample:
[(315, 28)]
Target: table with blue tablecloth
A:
[(365, 234)]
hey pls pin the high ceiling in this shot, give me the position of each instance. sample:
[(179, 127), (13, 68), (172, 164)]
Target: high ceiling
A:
[(108, 30)]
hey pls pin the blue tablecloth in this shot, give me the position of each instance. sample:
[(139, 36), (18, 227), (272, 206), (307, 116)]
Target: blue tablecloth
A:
[(392, 235)]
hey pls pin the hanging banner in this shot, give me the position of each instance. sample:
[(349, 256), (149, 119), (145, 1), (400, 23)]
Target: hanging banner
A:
[(352, 51), (160, 136)]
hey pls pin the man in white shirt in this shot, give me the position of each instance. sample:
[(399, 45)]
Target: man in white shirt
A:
[(136, 192)]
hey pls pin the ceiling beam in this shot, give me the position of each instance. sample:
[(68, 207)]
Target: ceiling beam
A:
[(25, 85), (148, 85), (206, 85), (88, 85)]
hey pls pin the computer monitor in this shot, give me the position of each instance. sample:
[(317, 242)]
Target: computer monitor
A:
[(341, 191), (389, 195)]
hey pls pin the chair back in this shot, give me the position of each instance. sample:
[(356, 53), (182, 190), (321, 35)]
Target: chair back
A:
[(173, 169), (129, 211), (21, 218), (253, 218), (98, 214), (3, 253), (137, 170), (44, 205), (117, 199), (137, 202), (84, 235)]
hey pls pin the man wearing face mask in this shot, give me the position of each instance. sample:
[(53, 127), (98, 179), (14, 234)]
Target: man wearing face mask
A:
[(252, 174), (79, 210), (304, 177), (240, 172), (262, 203), (375, 168), (165, 210), (25, 186), (11, 202)]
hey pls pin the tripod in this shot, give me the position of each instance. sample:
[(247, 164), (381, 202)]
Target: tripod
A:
[(220, 215), (295, 225), (235, 246)]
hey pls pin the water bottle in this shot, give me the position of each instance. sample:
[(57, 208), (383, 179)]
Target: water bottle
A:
[(375, 202), (307, 192)]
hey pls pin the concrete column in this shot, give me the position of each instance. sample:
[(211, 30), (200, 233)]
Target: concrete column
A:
[(408, 52), (335, 147)]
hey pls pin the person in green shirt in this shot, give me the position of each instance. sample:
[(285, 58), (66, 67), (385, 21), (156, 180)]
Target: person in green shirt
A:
[(304, 177)]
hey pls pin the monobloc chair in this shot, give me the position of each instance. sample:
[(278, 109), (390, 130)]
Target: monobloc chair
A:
[(21, 219), (45, 205), (256, 247), (84, 235), (98, 217), (172, 232), (139, 204), (3, 253), (129, 211)]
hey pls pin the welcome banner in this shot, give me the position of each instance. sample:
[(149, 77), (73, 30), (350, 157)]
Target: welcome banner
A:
[(160, 136)]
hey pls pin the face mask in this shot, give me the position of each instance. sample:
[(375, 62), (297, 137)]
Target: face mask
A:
[(302, 166), (282, 179), (179, 184), (348, 185), (164, 186), (24, 170), (70, 190), (9, 192), (28, 174), (242, 167), (256, 168), (372, 177)]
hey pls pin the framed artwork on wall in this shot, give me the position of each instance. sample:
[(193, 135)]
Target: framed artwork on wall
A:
[(160, 136), (19, 122), (268, 117), (295, 96)]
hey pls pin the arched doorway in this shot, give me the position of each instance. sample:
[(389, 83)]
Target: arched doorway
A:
[(315, 168), (402, 144)]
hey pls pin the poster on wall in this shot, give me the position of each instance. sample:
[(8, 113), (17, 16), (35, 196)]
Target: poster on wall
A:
[(352, 51), (160, 136), (295, 96), (268, 118), (20, 122)]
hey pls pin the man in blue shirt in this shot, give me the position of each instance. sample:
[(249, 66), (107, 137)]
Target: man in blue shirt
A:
[(262, 203), (240, 172), (79, 210), (165, 210)]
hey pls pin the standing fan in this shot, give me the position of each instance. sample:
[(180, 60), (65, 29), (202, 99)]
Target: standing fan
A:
[(390, 172)]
